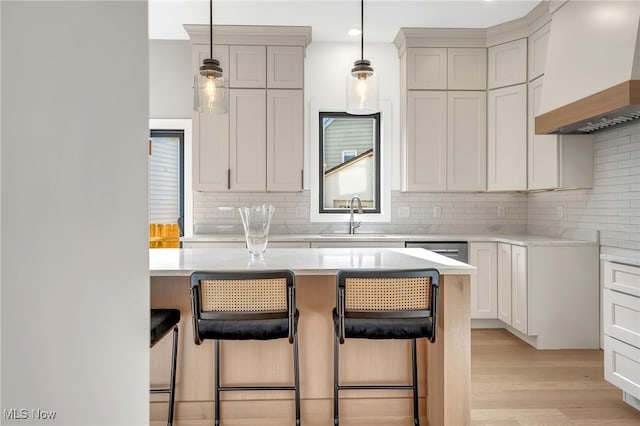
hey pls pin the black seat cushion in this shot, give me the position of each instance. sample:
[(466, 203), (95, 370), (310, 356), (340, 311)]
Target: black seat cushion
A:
[(258, 329), (162, 320), (384, 328)]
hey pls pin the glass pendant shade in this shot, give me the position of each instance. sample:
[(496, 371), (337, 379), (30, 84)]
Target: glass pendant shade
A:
[(210, 94), (362, 83), (210, 91), (362, 93)]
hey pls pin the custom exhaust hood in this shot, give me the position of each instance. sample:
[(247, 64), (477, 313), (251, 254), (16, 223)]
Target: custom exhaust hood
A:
[(592, 75)]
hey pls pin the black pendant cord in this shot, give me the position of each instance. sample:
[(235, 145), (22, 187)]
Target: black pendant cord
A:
[(362, 30), (211, 29)]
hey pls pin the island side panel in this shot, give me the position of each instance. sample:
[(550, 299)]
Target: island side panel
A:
[(361, 361), (449, 358)]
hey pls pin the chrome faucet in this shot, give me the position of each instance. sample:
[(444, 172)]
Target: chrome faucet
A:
[(352, 224)]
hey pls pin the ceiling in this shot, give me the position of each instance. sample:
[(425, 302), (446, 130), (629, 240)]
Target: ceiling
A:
[(330, 19)]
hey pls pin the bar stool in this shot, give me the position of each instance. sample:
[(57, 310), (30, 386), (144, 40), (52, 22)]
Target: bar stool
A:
[(246, 305), (384, 304), (162, 321)]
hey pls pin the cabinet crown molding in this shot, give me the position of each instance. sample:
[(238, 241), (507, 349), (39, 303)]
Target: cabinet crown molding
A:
[(250, 35)]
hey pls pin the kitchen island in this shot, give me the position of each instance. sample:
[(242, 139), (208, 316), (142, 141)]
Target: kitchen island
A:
[(444, 366)]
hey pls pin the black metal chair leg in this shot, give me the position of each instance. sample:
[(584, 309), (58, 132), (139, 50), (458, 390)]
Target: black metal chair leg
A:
[(172, 386), (336, 375), (296, 377), (414, 358), (217, 396)]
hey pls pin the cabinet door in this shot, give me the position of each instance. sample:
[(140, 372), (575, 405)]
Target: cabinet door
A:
[(542, 149), (507, 64), (210, 134), (426, 68), (484, 285), (504, 283), (285, 67), (248, 66), (467, 141), (285, 140), (537, 49), (507, 139), (247, 139), (519, 288), (467, 69), (427, 141)]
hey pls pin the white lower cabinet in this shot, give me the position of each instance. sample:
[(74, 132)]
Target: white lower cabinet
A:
[(519, 288), (621, 311), (484, 300), (512, 286), (548, 293), (504, 282)]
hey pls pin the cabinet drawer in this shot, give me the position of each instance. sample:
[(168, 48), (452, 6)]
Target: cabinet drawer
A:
[(622, 365), (622, 278), (622, 316)]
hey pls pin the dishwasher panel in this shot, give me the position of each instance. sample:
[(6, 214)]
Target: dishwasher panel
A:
[(457, 250)]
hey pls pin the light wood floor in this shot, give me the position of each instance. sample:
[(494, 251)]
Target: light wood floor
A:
[(513, 384)]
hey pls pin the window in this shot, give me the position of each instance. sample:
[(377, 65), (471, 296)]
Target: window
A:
[(349, 161), (166, 177)]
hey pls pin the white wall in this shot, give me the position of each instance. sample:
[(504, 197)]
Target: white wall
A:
[(326, 68), (75, 282), (170, 79)]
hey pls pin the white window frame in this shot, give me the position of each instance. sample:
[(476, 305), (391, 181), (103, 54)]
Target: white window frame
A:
[(386, 141)]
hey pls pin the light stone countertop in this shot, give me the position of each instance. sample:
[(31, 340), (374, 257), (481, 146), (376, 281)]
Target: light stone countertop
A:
[(307, 261), (517, 239)]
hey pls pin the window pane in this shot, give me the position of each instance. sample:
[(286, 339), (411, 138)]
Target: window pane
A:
[(350, 147), (164, 180)]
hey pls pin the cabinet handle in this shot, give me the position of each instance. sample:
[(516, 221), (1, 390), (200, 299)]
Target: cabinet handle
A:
[(228, 178), (302, 179)]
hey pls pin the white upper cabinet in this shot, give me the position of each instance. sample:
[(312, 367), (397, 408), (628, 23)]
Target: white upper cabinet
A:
[(507, 139), (426, 68), (210, 134), (285, 67), (285, 134), (247, 139), (426, 154), (431, 68), (247, 66), (467, 141), (543, 149), (538, 43), (467, 69), (556, 161), (507, 64)]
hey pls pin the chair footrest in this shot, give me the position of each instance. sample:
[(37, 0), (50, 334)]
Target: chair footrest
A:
[(256, 388), (374, 387)]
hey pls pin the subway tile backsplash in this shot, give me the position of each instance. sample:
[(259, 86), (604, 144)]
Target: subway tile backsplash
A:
[(611, 207), (410, 213)]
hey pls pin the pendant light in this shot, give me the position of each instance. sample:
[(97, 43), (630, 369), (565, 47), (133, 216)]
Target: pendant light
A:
[(210, 92), (362, 83)]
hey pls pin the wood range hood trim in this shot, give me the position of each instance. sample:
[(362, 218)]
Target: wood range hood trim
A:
[(617, 104)]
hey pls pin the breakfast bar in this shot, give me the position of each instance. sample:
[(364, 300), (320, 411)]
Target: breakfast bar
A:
[(443, 366)]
